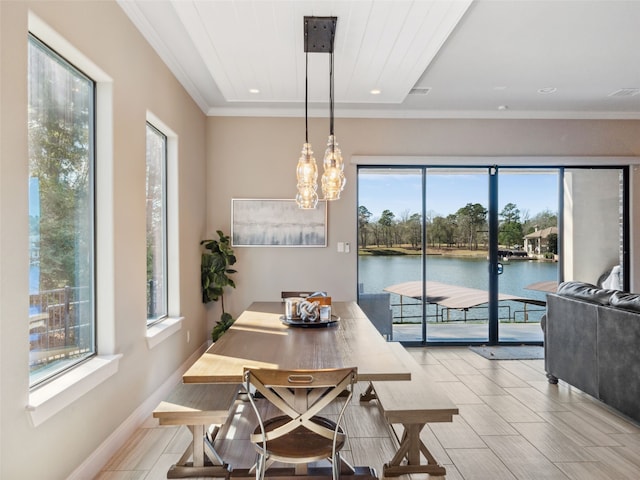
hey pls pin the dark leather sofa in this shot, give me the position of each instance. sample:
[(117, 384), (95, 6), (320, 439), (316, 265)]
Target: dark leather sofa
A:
[(592, 341)]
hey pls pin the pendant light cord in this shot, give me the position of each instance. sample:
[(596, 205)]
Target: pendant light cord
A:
[(333, 143), (306, 98), (331, 92)]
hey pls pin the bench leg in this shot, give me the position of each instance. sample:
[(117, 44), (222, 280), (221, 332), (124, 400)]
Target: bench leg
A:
[(198, 448), (411, 446), (198, 445), (209, 449), (369, 394)]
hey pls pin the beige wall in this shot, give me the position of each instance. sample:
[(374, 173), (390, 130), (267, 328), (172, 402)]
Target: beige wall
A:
[(141, 82), (256, 158)]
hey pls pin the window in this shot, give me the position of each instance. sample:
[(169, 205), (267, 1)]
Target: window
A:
[(61, 213), (156, 225)]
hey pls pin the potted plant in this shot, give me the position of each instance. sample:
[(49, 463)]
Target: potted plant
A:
[(217, 257)]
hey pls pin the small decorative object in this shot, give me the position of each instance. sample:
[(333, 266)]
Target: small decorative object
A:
[(291, 310), (325, 313), (321, 297), (309, 311)]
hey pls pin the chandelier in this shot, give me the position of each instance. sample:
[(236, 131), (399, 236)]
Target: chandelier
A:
[(319, 34)]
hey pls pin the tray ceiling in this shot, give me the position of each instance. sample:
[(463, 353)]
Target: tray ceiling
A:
[(410, 59)]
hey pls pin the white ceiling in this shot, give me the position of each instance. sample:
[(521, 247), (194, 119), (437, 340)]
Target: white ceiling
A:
[(465, 58)]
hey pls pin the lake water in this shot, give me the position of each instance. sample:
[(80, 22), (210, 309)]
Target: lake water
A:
[(377, 272)]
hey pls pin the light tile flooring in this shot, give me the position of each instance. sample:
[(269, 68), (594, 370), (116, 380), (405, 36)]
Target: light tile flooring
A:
[(512, 425)]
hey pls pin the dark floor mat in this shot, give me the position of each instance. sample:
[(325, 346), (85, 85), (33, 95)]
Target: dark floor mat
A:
[(530, 352)]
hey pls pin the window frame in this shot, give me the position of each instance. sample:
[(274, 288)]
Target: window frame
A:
[(61, 367), (49, 398), (622, 164), (165, 217), (162, 330)]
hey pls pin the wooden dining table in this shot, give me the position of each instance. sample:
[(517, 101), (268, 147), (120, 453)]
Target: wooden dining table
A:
[(260, 337)]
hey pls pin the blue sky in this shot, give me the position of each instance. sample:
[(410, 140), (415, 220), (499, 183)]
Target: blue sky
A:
[(447, 192)]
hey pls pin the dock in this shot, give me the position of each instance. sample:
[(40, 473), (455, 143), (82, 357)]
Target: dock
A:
[(454, 297)]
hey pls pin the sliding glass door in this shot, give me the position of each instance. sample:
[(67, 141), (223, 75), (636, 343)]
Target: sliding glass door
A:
[(390, 230), (457, 254), (468, 254), (527, 249)]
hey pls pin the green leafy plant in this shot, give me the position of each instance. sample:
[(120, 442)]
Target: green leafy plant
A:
[(217, 257)]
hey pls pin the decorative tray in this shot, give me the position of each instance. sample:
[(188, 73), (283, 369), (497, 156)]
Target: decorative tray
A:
[(301, 323)]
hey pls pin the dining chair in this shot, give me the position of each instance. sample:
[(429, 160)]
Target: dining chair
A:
[(297, 433), (301, 294)]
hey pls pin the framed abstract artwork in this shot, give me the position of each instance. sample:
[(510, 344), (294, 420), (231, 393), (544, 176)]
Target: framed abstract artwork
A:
[(277, 223)]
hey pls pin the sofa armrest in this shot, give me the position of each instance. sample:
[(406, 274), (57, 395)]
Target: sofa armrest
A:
[(571, 342)]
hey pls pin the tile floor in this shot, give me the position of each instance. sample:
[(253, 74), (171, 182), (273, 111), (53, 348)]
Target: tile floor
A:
[(512, 425)]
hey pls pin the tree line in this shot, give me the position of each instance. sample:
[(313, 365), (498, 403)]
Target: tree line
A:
[(59, 116), (466, 228)]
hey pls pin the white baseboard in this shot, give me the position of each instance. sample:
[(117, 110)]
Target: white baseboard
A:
[(99, 458)]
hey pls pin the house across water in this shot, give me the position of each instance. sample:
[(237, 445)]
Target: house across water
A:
[(541, 241)]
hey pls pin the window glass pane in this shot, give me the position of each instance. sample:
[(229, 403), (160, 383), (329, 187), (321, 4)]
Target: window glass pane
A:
[(527, 249), (390, 252), (156, 225), (457, 272), (61, 214)]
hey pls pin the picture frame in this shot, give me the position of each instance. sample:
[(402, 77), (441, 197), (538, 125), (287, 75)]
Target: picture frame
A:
[(277, 223)]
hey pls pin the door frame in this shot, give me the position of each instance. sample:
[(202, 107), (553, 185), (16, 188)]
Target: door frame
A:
[(368, 162)]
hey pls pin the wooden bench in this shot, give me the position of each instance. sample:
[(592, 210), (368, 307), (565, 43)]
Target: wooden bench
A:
[(198, 406), (412, 403)]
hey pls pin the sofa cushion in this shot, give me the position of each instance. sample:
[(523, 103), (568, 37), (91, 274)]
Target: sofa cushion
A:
[(626, 301), (585, 291)]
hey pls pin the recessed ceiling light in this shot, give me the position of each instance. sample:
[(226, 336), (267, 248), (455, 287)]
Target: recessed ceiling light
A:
[(254, 90), (375, 91), (547, 90), (503, 107)]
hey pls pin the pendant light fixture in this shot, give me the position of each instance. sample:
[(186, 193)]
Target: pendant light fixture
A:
[(307, 171), (319, 34), (333, 179)]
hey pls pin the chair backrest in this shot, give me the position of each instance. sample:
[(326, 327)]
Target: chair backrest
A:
[(300, 395), (298, 293), (377, 307)]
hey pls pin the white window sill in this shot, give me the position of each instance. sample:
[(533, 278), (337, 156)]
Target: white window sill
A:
[(49, 399), (159, 332)]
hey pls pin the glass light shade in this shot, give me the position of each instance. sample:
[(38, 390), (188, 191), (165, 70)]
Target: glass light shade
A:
[(307, 173), (333, 179)]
